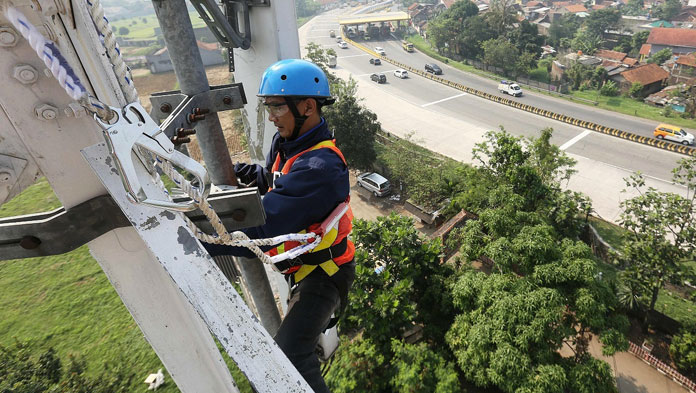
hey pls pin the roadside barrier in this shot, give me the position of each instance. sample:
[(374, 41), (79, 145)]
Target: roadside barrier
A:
[(661, 367), (658, 143)]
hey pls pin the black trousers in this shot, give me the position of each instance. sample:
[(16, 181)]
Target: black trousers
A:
[(312, 303)]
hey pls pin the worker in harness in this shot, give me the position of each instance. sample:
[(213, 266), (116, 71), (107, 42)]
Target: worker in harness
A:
[(305, 181)]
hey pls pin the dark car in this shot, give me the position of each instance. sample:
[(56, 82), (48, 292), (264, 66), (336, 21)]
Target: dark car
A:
[(376, 61), (434, 68), (379, 78)]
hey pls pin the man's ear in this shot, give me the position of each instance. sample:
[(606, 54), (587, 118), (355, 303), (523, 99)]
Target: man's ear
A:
[(311, 107)]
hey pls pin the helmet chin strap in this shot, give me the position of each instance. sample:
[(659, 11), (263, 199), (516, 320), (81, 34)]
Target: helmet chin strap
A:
[(299, 119)]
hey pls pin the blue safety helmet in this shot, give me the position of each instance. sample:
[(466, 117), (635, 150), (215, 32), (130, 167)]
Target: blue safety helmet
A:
[(295, 78)]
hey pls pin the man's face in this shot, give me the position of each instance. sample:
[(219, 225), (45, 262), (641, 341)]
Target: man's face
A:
[(279, 113)]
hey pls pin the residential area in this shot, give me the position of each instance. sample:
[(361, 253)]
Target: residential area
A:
[(522, 203)]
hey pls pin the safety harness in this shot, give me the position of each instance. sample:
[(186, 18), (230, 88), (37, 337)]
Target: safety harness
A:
[(334, 249)]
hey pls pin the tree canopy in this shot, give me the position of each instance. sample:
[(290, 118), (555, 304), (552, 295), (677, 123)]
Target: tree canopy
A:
[(662, 233)]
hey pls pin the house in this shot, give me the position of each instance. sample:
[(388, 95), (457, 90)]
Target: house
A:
[(687, 14), (684, 68), (573, 9), (680, 41), (651, 76), (160, 61), (610, 55)]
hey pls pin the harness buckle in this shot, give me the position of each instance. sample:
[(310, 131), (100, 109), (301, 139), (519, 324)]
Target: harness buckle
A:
[(135, 133)]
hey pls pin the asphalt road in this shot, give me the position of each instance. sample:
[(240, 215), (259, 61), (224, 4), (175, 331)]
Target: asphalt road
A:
[(479, 112)]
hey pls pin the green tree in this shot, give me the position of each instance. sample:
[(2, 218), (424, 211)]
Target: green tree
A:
[(123, 31), (476, 31), (411, 286), (360, 366), (636, 90), (633, 8), (501, 53), (586, 41), (564, 27), (448, 25), (683, 350), (305, 8), (577, 74), (418, 368), (355, 127), (508, 335), (661, 232), (669, 9), (501, 15), (22, 372), (526, 62), (638, 40), (602, 20), (609, 89), (660, 56), (526, 38)]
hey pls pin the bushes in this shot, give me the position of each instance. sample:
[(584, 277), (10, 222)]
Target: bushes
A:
[(683, 351), (609, 89)]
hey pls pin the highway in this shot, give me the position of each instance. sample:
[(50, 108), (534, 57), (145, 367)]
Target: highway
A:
[(429, 99)]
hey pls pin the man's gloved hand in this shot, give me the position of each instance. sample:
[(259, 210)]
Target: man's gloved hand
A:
[(245, 172)]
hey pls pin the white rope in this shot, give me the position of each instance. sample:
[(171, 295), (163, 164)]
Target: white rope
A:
[(69, 81), (61, 70), (236, 238), (122, 71)]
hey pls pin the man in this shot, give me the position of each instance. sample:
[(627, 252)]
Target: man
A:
[(306, 179)]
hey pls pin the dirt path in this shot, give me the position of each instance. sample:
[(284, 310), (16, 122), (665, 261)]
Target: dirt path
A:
[(147, 83)]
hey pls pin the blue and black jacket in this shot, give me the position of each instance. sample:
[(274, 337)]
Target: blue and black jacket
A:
[(317, 182)]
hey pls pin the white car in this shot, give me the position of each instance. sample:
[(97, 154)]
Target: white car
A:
[(380, 51), (400, 73), (343, 45)]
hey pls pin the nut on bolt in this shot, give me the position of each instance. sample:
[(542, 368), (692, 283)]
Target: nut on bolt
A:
[(46, 112), (166, 107), (25, 74), (227, 100), (8, 36)]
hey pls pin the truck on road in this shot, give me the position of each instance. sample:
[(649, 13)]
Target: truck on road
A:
[(511, 88)]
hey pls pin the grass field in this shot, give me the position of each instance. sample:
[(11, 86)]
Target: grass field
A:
[(140, 28), (611, 233), (66, 302)]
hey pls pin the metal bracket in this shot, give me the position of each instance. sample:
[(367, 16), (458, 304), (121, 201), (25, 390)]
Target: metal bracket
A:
[(134, 136), (175, 106), (43, 234), (230, 26)]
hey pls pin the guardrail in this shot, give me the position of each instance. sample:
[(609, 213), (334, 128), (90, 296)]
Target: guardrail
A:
[(660, 144), (665, 369)]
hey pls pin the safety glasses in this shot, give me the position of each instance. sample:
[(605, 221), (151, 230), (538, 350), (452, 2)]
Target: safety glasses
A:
[(276, 109)]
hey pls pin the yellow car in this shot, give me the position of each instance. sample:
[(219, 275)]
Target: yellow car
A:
[(673, 133)]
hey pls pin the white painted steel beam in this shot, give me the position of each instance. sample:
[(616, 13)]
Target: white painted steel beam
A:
[(49, 140)]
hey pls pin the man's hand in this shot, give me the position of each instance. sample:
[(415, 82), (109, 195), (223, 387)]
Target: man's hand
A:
[(246, 173)]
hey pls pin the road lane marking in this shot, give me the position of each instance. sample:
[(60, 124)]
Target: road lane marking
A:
[(361, 55), (574, 140), (442, 100)]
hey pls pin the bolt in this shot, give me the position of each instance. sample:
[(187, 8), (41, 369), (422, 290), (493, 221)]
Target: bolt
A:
[(238, 215), (165, 108), (8, 37), (46, 112), (29, 242), (182, 132), (227, 100), (192, 118), (75, 110), (25, 74), (200, 111), (5, 177)]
